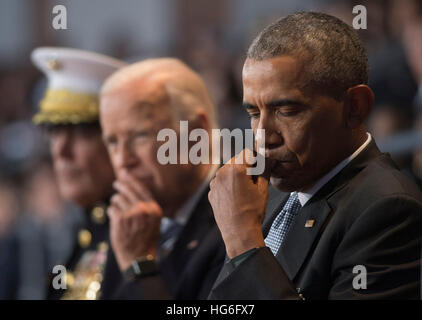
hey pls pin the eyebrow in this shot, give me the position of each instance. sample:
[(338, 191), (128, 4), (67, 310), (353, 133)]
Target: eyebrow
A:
[(275, 103)]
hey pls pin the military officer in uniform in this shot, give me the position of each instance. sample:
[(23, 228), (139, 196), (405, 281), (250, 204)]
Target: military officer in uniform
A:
[(69, 113)]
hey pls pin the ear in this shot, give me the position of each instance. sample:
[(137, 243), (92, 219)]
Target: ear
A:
[(358, 105), (201, 120)]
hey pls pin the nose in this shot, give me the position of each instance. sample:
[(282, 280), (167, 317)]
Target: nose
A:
[(273, 136), (61, 144), (124, 157)]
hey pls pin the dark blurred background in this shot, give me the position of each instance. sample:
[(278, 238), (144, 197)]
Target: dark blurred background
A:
[(209, 35)]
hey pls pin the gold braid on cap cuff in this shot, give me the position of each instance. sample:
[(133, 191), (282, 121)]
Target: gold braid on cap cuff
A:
[(67, 107)]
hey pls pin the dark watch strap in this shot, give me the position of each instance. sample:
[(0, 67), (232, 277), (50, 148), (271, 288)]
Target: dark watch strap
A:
[(141, 267)]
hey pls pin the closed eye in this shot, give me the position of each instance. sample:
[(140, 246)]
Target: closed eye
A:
[(288, 111), (253, 111), (253, 115)]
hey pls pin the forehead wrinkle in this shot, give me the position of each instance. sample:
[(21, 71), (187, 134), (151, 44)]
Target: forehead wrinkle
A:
[(151, 92), (293, 79), (173, 84)]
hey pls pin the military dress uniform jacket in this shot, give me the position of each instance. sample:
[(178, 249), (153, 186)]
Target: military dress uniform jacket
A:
[(191, 267), (369, 214), (91, 271)]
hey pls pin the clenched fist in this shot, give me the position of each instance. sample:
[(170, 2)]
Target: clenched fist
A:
[(239, 205), (134, 222)]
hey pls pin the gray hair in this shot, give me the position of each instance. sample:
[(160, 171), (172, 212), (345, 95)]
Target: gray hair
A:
[(335, 56), (184, 87)]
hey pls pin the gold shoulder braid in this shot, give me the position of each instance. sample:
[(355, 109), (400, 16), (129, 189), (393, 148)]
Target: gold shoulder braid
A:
[(67, 107)]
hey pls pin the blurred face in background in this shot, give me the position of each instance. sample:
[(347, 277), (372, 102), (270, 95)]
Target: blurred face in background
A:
[(81, 164), (130, 123)]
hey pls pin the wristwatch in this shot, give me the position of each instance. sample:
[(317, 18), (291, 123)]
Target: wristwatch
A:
[(142, 267)]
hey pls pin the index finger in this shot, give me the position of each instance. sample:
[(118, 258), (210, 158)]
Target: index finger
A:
[(137, 187)]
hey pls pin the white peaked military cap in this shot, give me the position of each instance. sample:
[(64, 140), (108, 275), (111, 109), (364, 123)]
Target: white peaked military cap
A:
[(74, 81)]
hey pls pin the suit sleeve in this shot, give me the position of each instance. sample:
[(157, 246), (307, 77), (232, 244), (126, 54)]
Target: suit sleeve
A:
[(197, 277), (386, 241), (156, 288), (213, 271), (146, 288), (259, 276)]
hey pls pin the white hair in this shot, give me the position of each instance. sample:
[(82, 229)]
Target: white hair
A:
[(184, 87)]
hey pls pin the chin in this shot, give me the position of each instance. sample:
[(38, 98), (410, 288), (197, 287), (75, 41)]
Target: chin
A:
[(284, 184), (76, 195), (84, 202)]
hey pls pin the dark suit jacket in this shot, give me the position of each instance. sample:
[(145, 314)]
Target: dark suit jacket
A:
[(9, 266), (369, 214), (190, 269)]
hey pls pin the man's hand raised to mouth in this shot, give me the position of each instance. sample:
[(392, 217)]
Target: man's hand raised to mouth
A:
[(239, 205), (134, 222)]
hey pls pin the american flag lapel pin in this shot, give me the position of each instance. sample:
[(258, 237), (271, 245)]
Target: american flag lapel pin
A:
[(309, 223)]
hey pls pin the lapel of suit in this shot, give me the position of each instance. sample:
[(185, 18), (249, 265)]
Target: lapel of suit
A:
[(300, 239), (190, 238)]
